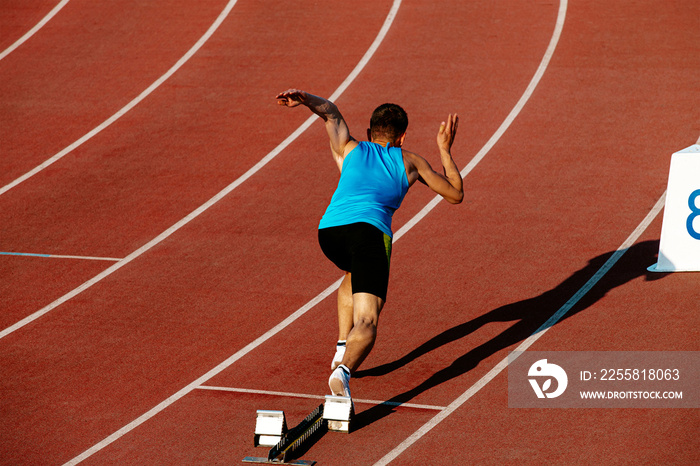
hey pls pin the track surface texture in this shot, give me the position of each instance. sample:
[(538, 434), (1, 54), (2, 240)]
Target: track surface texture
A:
[(156, 261)]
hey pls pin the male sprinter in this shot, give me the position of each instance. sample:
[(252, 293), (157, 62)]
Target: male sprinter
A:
[(355, 232)]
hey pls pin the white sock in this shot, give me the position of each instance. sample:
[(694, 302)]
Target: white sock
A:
[(339, 353)]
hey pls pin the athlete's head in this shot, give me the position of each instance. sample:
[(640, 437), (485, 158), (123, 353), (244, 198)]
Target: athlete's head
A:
[(388, 123)]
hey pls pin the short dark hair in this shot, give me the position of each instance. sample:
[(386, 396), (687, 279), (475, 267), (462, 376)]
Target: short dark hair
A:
[(388, 120)]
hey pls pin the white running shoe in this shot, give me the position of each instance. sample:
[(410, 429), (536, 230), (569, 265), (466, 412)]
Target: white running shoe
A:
[(338, 357), (339, 382)]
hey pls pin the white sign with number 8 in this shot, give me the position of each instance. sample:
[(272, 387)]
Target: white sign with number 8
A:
[(679, 250)]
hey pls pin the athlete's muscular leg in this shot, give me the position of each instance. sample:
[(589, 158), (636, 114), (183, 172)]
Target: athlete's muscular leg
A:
[(345, 311), (366, 309)]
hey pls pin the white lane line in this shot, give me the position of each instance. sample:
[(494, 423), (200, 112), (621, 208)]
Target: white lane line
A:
[(33, 30), (200, 381), (264, 161), (559, 26), (498, 368), (317, 397), (170, 400), (248, 348), (184, 59), (59, 256)]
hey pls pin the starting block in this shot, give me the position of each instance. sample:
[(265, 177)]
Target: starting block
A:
[(282, 451), (337, 412), (270, 426), (335, 415)]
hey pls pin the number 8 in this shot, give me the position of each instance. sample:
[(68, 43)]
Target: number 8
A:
[(695, 212)]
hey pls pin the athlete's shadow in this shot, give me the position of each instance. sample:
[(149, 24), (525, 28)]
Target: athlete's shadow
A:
[(528, 316)]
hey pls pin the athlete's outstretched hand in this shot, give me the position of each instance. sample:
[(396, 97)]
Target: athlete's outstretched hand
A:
[(447, 132), (337, 129), (291, 97)]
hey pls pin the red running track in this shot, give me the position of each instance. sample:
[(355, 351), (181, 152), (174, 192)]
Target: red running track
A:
[(579, 169)]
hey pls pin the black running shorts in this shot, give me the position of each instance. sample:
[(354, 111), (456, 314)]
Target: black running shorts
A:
[(364, 251)]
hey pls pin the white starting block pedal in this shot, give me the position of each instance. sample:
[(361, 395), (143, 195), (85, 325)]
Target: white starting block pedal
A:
[(270, 426), (338, 411)]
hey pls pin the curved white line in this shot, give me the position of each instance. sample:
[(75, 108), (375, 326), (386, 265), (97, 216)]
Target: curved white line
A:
[(33, 30), (184, 59), (561, 15), (498, 368), (328, 291)]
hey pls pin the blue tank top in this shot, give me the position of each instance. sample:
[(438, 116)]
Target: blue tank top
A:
[(372, 185)]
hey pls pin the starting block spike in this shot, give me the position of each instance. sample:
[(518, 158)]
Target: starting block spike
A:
[(338, 411), (270, 427)]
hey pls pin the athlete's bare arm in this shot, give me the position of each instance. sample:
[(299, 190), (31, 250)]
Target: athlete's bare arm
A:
[(447, 184), (338, 133)]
